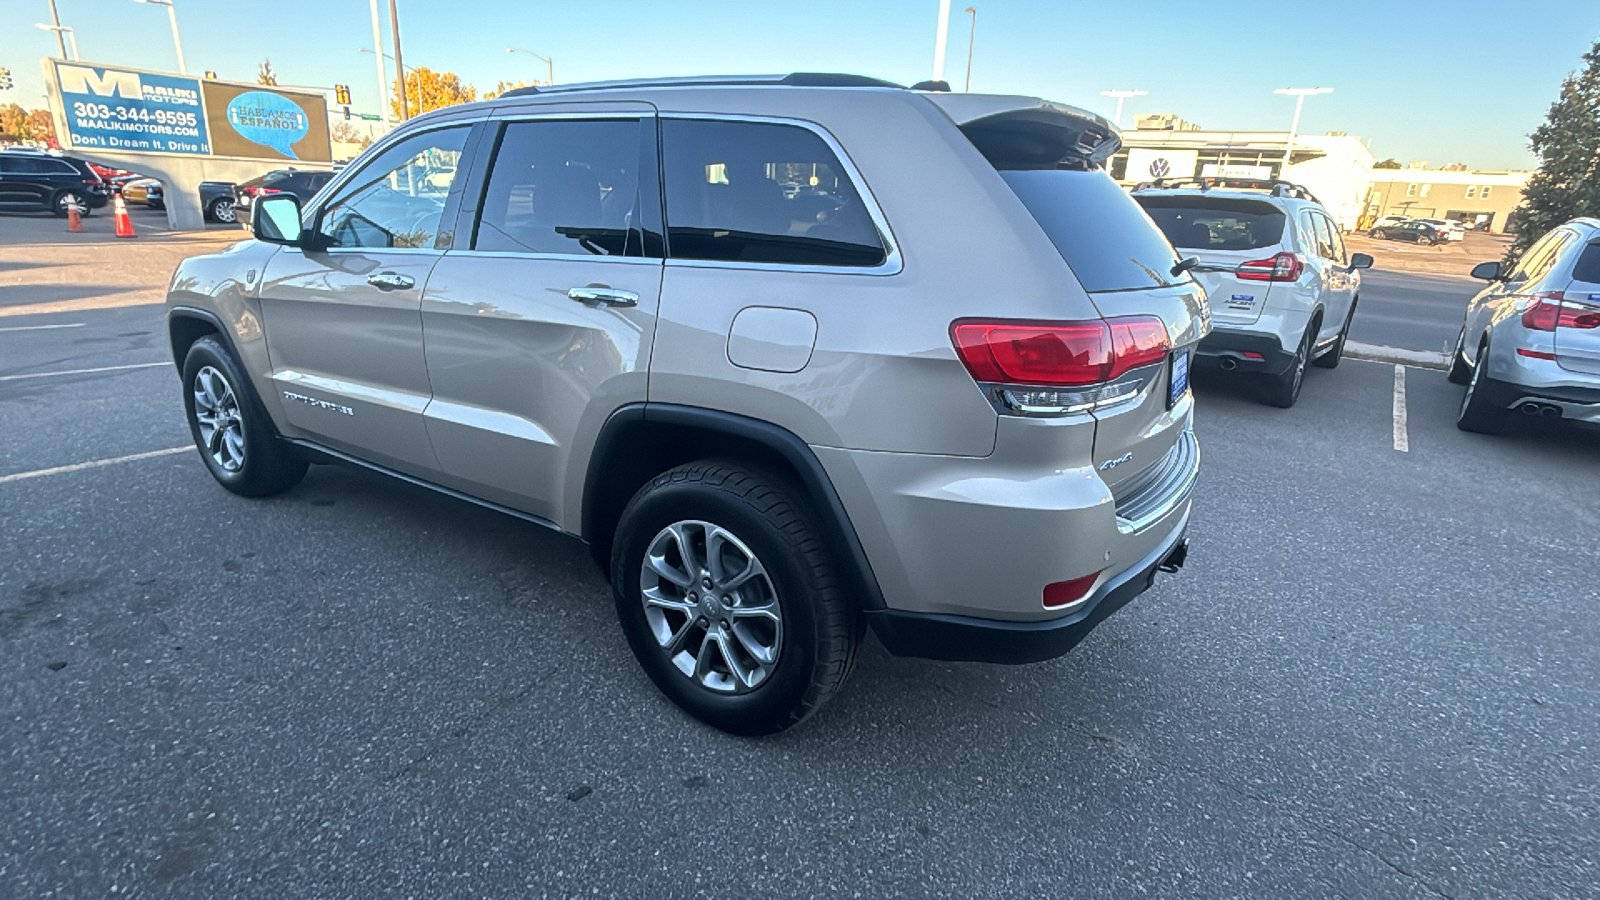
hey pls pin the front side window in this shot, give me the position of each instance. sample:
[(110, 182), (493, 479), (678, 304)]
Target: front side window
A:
[(397, 199), (758, 192), (1335, 239), (1206, 223), (569, 187)]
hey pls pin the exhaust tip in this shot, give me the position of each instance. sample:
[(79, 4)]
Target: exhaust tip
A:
[(1530, 409), (1550, 412), (1228, 363)]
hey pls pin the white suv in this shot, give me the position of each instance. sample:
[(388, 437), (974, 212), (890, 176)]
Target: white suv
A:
[(1283, 289)]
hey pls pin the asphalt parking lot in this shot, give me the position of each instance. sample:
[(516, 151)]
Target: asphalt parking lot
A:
[(1376, 677)]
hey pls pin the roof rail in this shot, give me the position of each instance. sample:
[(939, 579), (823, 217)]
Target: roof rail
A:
[(793, 79), (1163, 184)]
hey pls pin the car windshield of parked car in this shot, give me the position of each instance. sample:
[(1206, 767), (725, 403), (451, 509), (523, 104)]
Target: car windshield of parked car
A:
[(1201, 223), (397, 199), (1106, 239)]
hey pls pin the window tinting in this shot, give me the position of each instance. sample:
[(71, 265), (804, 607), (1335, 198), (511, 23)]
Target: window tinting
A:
[(1107, 240), (564, 187), (1588, 268), (397, 199), (762, 193), (1196, 223)]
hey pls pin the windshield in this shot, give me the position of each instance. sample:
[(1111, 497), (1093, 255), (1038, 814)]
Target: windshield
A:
[(1109, 242), (1204, 223)]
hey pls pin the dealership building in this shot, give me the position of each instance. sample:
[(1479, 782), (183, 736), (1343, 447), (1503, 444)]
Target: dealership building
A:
[(1336, 167)]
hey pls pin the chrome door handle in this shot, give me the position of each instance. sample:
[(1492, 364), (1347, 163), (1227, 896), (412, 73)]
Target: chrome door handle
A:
[(389, 281), (599, 293)]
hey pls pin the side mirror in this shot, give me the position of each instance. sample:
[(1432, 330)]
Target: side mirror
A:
[(276, 219), (1361, 260), (1489, 271)]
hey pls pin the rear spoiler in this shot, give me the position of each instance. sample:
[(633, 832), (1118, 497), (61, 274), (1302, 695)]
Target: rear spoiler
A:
[(1030, 133)]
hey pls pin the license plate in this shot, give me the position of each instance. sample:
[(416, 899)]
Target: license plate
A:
[(1180, 377)]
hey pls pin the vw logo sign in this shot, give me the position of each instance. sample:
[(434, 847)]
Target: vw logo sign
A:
[(1160, 167)]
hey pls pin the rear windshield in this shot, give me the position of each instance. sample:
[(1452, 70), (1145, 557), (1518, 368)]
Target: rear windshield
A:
[(1205, 223), (1101, 233), (1588, 268)]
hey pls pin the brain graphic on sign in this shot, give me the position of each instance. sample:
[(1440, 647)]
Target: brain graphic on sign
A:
[(1160, 167), (268, 119)]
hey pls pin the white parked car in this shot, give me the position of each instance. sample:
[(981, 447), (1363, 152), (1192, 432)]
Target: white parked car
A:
[(1452, 229), (1282, 287)]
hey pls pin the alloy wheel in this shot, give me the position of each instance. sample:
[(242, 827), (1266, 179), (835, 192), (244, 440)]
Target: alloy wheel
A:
[(222, 210), (216, 410), (711, 606)]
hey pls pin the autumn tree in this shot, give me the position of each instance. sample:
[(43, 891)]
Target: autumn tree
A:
[(500, 87), (42, 127), (13, 122), (266, 74), (1567, 184), (427, 89)]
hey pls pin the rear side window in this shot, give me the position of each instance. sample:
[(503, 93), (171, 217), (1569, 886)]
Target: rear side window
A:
[(568, 187), (23, 166), (1199, 223), (1107, 240), (758, 192), (1588, 268)]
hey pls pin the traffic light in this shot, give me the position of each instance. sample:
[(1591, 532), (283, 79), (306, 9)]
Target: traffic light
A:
[(341, 93), (5, 79), (347, 113)]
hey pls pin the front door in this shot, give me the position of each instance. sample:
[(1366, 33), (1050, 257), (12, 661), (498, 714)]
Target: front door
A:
[(343, 319), (540, 322)]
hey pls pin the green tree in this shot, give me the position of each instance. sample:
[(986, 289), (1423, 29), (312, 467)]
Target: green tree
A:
[(266, 74), (1390, 163), (1567, 184), (427, 89)]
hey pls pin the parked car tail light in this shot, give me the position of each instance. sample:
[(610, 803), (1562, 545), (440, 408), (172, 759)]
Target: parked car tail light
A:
[(1283, 267), (1066, 593), (1547, 312), (1026, 363)]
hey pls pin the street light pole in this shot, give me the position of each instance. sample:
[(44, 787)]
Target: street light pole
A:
[(550, 64), (172, 17), (1121, 96), (59, 29), (972, 35), (1299, 95), (55, 20), (383, 77), (939, 40), (400, 66)]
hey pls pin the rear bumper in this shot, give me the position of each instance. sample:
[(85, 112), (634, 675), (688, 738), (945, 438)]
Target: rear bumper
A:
[(971, 639), (1244, 351)]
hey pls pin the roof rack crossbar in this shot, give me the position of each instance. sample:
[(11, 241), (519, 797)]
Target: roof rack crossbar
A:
[(793, 79)]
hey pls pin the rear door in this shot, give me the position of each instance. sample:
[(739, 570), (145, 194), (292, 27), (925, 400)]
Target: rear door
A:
[(344, 322), (1578, 327), (1224, 233), (22, 182), (1335, 282), (541, 322)]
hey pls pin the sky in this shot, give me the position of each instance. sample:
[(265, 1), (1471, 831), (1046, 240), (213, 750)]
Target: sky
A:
[(1445, 82)]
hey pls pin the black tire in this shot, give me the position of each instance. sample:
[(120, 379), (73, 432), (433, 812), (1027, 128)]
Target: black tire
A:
[(221, 210), (1377, 234), (1460, 372), (1283, 391), (821, 629), (1330, 357), (58, 203), (265, 464), (1482, 407)]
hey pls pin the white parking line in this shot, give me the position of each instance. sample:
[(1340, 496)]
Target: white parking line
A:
[(84, 371), (40, 327), (94, 464), (1401, 442)]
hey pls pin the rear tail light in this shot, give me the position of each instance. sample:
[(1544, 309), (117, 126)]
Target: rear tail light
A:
[(1283, 267), (1547, 312), (1091, 358), (1066, 593)]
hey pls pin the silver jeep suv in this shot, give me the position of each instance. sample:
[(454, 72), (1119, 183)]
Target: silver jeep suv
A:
[(1283, 287), (794, 355)]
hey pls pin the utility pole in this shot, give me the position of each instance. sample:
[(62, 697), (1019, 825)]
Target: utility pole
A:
[(55, 20), (1299, 95), (399, 64), (383, 77), (971, 36), (1121, 96), (940, 39)]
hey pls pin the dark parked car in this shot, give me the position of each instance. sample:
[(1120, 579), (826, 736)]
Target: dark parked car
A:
[(30, 181), (216, 197), (1416, 232), (298, 182)]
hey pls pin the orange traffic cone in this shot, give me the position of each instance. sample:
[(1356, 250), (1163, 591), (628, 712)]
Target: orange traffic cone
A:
[(124, 224), (74, 221)]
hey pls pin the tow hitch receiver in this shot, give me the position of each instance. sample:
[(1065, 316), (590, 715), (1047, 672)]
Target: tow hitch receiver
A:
[(1174, 560)]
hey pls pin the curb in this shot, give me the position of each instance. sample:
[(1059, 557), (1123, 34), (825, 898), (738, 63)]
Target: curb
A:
[(1422, 359)]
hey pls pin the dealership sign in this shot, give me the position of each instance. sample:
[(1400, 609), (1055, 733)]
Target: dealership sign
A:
[(1145, 163), (117, 109)]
